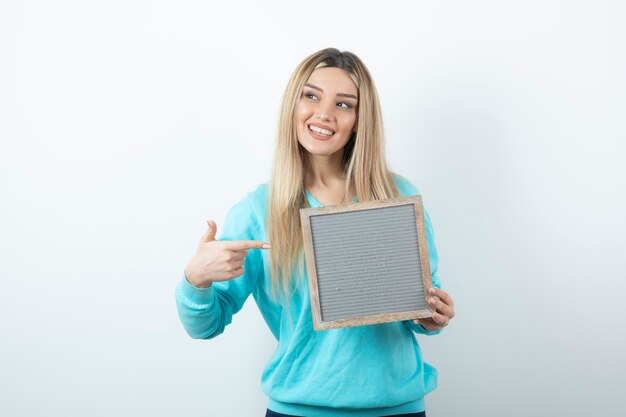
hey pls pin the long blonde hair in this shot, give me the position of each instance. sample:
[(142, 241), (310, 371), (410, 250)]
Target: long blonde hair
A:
[(363, 160)]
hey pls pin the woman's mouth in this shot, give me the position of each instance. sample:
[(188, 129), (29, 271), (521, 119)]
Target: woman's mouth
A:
[(320, 133)]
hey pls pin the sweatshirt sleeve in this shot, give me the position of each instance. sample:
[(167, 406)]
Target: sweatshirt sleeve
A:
[(205, 312), (408, 189)]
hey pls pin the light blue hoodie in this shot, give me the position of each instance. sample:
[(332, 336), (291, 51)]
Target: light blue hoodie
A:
[(367, 371)]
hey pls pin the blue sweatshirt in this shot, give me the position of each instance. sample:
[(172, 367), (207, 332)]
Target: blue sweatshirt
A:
[(366, 371)]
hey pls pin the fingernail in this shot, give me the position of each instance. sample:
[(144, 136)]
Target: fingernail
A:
[(432, 290), (266, 246), (432, 301)]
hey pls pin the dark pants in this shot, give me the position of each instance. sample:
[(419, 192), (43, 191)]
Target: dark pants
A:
[(271, 413)]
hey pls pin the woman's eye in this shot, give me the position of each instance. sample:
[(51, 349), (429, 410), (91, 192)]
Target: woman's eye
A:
[(310, 96), (344, 105)]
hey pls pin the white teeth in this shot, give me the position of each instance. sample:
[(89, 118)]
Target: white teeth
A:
[(321, 131)]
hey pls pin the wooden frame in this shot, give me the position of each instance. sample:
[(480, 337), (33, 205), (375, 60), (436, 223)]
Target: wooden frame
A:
[(380, 288)]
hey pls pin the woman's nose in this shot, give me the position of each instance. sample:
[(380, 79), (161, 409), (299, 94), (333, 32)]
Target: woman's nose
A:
[(326, 110)]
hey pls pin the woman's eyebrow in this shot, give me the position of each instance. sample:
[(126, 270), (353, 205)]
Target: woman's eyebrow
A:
[(339, 94)]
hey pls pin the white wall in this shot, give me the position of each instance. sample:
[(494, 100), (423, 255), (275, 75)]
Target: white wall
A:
[(124, 125)]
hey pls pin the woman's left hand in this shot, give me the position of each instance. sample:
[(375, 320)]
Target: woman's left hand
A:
[(443, 307)]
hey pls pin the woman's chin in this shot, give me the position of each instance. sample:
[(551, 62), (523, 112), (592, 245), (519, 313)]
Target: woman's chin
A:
[(320, 148)]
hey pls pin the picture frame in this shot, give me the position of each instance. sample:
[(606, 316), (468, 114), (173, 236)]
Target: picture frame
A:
[(367, 262)]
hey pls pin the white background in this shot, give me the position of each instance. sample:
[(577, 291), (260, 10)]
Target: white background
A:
[(125, 125)]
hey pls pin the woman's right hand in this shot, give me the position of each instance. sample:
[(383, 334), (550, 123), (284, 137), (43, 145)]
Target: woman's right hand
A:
[(217, 260)]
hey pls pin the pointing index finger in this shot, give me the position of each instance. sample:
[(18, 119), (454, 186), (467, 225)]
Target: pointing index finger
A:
[(246, 244)]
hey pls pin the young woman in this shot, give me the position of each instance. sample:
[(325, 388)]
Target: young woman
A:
[(329, 150)]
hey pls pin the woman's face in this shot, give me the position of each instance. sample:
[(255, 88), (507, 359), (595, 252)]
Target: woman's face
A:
[(326, 111)]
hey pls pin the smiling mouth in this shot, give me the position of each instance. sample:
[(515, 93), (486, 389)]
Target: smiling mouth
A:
[(320, 131)]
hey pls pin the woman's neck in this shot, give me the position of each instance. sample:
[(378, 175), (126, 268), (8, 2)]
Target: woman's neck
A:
[(326, 180), (325, 170)]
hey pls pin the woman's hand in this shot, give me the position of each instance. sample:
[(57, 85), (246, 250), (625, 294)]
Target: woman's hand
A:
[(443, 312), (218, 260)]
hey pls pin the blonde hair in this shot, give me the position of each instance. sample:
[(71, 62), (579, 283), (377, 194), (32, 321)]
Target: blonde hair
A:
[(364, 163)]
